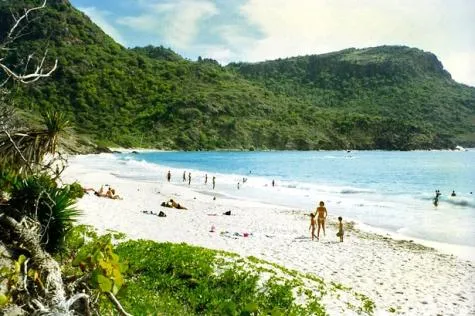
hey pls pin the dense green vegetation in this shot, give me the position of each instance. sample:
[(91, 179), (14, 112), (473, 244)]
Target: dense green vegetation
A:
[(389, 97), (179, 279)]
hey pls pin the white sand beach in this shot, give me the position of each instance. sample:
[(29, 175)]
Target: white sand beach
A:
[(413, 279)]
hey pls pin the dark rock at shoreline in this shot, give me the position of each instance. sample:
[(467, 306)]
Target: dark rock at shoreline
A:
[(101, 149)]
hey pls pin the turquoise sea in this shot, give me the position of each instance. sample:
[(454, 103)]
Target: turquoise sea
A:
[(392, 191)]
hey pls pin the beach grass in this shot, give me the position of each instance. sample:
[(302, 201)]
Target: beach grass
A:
[(179, 279)]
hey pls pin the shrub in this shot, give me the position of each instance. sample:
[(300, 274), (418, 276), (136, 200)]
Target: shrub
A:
[(39, 198), (75, 190)]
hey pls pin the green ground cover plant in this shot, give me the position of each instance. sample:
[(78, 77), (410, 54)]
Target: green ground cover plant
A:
[(171, 279)]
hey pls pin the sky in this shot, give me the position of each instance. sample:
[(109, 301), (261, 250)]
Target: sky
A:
[(258, 30)]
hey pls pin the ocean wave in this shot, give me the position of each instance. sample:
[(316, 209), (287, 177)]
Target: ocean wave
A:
[(355, 191), (460, 202), (290, 186), (457, 201)]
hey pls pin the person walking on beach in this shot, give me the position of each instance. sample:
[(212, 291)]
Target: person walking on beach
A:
[(214, 182), (436, 199), (189, 178), (184, 176), (312, 225), (206, 178), (273, 182), (340, 229), (169, 175), (321, 213), (238, 185)]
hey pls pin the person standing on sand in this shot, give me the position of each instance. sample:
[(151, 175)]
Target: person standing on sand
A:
[(273, 182), (340, 229), (184, 176), (206, 178), (189, 178), (321, 213), (312, 225), (169, 175), (214, 182)]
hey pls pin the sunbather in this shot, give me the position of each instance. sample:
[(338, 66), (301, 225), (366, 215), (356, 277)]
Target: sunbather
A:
[(111, 194), (173, 204)]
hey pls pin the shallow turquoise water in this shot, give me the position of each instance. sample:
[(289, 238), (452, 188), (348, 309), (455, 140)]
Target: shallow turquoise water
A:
[(388, 190)]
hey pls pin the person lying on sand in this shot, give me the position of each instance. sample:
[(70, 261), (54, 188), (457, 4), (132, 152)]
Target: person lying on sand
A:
[(100, 192), (86, 190), (173, 204), (111, 194)]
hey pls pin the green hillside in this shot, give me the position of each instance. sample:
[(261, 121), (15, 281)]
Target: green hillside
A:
[(385, 97)]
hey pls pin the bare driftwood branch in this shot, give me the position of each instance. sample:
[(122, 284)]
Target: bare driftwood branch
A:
[(54, 289), (25, 274), (31, 77), (116, 303), (16, 31), (23, 17), (16, 147)]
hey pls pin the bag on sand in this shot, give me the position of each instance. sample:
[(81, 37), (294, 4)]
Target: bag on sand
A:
[(227, 213), (162, 214)]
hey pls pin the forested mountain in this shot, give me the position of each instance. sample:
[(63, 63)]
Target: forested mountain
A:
[(389, 97)]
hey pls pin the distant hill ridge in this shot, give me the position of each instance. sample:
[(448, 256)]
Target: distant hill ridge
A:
[(366, 62), (387, 97)]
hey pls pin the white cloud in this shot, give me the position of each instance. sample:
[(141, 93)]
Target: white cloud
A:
[(221, 54), (462, 66), (99, 17), (300, 27), (176, 22)]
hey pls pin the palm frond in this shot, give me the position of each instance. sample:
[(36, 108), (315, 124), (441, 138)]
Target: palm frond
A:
[(23, 148), (56, 123)]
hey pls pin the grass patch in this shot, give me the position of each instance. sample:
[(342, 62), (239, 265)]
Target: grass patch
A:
[(179, 279)]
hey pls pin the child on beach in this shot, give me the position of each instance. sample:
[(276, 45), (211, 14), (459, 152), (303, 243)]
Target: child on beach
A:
[(312, 225), (340, 229)]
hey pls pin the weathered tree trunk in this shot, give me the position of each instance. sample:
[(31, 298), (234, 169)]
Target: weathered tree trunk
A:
[(55, 296)]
